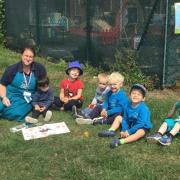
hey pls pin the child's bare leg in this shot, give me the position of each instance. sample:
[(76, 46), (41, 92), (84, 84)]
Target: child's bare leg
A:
[(115, 125), (111, 131), (163, 128), (175, 129), (134, 137)]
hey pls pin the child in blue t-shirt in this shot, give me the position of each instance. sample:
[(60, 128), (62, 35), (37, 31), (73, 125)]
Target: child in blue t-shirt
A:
[(135, 121), (169, 128)]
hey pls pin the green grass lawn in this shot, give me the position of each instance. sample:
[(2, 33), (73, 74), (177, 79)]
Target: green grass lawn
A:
[(73, 156)]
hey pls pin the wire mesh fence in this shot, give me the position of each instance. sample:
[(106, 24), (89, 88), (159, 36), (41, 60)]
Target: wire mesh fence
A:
[(93, 30)]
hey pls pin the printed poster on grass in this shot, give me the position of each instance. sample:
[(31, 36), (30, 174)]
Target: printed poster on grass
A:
[(177, 18), (45, 130)]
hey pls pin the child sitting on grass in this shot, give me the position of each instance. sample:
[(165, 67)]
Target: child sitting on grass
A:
[(168, 129), (41, 101), (135, 121), (70, 89), (100, 94), (114, 104)]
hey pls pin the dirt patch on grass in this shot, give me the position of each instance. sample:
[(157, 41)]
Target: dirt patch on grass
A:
[(166, 93)]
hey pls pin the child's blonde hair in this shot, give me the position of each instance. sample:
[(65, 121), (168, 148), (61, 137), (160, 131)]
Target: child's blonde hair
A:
[(102, 76), (116, 76)]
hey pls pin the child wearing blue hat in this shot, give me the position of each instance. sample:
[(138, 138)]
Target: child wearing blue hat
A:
[(169, 128), (135, 121), (70, 88)]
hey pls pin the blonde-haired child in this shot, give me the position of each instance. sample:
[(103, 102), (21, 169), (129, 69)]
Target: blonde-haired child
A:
[(114, 104), (100, 95)]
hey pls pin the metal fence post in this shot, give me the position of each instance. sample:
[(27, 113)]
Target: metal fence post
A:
[(165, 44), (37, 22), (88, 31)]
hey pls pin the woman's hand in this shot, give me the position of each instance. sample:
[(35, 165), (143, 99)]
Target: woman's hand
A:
[(6, 101)]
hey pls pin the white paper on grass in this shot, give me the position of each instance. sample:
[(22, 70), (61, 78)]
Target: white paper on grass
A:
[(45, 130)]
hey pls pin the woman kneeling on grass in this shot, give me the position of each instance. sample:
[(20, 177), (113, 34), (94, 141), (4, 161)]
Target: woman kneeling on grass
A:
[(18, 84), (135, 121)]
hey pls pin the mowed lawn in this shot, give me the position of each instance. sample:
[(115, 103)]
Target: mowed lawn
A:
[(74, 156)]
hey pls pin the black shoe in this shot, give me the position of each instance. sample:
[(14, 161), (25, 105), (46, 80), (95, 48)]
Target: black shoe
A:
[(76, 113), (74, 110)]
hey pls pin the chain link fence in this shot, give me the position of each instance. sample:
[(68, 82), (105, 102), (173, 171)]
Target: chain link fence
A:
[(93, 30)]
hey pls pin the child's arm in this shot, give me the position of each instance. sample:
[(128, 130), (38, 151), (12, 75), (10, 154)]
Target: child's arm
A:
[(78, 96), (35, 102), (119, 108), (173, 110), (121, 103), (143, 116), (62, 97), (115, 110), (35, 99), (94, 101), (50, 98)]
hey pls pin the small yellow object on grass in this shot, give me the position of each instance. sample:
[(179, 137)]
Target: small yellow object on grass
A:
[(86, 134)]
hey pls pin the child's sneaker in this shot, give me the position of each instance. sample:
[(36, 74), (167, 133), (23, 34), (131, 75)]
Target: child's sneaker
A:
[(107, 133), (84, 121), (48, 116), (165, 140), (154, 138), (115, 143), (98, 120), (79, 115), (31, 120)]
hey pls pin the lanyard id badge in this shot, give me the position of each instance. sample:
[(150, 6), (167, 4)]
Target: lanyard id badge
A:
[(26, 94), (27, 82)]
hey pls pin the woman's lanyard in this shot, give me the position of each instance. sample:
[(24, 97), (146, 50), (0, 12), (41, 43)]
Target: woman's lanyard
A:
[(25, 80)]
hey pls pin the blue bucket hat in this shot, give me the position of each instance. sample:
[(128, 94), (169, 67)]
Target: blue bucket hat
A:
[(139, 87), (74, 64)]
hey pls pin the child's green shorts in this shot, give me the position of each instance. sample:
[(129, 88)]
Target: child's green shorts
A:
[(170, 123)]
